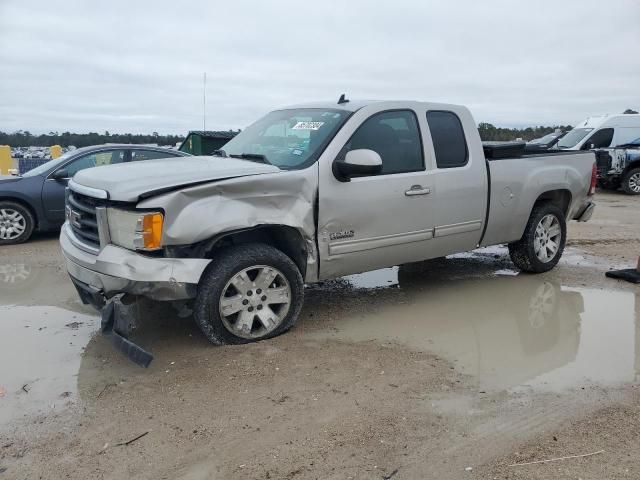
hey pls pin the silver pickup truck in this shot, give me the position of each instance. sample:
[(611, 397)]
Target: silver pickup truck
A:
[(308, 193)]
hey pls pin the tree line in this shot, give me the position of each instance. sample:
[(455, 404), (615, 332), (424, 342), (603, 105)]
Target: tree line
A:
[(24, 138)]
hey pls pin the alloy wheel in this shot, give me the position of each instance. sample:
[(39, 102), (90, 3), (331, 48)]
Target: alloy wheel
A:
[(547, 238), (255, 301), (12, 224), (634, 183)]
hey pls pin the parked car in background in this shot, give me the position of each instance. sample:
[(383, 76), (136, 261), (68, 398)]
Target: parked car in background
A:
[(35, 200), (619, 167), (601, 132), (545, 143), (309, 193)]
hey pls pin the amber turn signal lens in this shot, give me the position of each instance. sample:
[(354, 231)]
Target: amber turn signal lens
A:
[(152, 231)]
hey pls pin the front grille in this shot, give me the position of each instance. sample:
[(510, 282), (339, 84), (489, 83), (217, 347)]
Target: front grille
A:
[(81, 215)]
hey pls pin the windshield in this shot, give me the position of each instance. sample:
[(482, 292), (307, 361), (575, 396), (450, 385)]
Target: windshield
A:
[(45, 167), (572, 138), (288, 139)]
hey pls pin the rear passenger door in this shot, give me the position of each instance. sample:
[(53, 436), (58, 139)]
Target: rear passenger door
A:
[(379, 220), (461, 184)]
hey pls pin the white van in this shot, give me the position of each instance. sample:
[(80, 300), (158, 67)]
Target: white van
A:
[(602, 131)]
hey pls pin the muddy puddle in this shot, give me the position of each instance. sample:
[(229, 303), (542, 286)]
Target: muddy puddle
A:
[(504, 329), (43, 333)]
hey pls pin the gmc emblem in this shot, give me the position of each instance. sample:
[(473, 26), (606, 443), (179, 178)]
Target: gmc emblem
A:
[(74, 218)]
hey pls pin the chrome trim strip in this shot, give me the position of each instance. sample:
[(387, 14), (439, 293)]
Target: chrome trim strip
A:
[(77, 242), (351, 246), (454, 228), (103, 226), (88, 191)]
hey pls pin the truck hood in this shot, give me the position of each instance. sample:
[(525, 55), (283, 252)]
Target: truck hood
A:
[(128, 182)]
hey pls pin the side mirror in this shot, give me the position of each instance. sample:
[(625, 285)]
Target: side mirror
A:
[(61, 174), (360, 162)]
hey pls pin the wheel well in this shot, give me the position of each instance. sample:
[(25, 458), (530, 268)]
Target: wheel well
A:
[(560, 198), (631, 166), (286, 239), (26, 205)]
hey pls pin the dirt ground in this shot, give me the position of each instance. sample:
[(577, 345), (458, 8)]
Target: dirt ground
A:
[(452, 369)]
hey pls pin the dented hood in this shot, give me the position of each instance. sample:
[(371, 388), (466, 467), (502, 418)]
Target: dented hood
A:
[(128, 182)]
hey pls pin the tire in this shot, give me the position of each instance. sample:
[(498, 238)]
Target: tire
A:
[(528, 253), (16, 223), (631, 182), (252, 317)]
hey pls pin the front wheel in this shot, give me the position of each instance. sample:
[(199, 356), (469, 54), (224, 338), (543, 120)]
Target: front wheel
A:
[(631, 182), (542, 243), (250, 292)]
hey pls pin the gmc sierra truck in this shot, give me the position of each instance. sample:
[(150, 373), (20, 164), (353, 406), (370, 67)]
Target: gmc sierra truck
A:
[(308, 193)]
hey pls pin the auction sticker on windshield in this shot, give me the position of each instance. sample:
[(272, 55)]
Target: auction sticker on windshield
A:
[(307, 126)]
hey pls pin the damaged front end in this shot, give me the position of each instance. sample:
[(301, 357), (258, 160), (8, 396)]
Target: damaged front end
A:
[(120, 319)]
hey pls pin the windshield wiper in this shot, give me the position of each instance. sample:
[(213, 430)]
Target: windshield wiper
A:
[(219, 153), (253, 157)]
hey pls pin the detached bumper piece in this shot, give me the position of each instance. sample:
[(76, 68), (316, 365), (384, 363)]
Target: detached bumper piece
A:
[(119, 320)]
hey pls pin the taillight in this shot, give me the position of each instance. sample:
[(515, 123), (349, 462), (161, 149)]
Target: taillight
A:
[(594, 178)]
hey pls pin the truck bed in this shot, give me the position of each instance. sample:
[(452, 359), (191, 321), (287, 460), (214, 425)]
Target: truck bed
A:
[(511, 150), (517, 183)]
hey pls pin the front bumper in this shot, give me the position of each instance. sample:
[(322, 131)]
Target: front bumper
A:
[(117, 270)]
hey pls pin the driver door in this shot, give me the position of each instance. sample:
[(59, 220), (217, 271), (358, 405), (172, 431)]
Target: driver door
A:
[(380, 220)]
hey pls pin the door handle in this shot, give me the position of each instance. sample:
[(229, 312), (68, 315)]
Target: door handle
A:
[(417, 190)]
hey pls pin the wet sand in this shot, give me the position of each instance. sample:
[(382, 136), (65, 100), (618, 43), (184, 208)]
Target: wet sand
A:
[(423, 370)]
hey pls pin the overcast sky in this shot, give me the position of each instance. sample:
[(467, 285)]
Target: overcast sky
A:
[(133, 66)]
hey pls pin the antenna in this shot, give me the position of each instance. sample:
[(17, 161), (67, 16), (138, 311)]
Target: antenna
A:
[(342, 100), (204, 102)]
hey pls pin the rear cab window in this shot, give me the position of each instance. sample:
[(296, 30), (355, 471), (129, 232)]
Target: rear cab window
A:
[(449, 142)]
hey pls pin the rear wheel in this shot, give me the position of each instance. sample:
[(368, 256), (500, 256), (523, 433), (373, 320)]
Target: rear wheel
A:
[(251, 292), (542, 243), (631, 182), (16, 223)]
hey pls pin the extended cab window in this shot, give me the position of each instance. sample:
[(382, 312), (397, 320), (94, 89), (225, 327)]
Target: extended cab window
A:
[(448, 139), (395, 137), (600, 139)]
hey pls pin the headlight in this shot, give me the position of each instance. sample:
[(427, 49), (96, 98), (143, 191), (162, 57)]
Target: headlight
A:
[(135, 230)]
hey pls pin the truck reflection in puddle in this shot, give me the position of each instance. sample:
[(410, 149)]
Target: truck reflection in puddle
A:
[(23, 283), (507, 331), (43, 332)]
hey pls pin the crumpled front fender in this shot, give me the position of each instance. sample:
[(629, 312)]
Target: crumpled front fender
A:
[(202, 212)]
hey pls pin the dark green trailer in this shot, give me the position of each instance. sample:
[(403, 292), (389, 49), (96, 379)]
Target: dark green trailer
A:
[(200, 142)]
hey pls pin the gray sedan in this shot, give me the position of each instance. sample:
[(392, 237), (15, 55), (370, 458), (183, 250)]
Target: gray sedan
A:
[(35, 200)]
